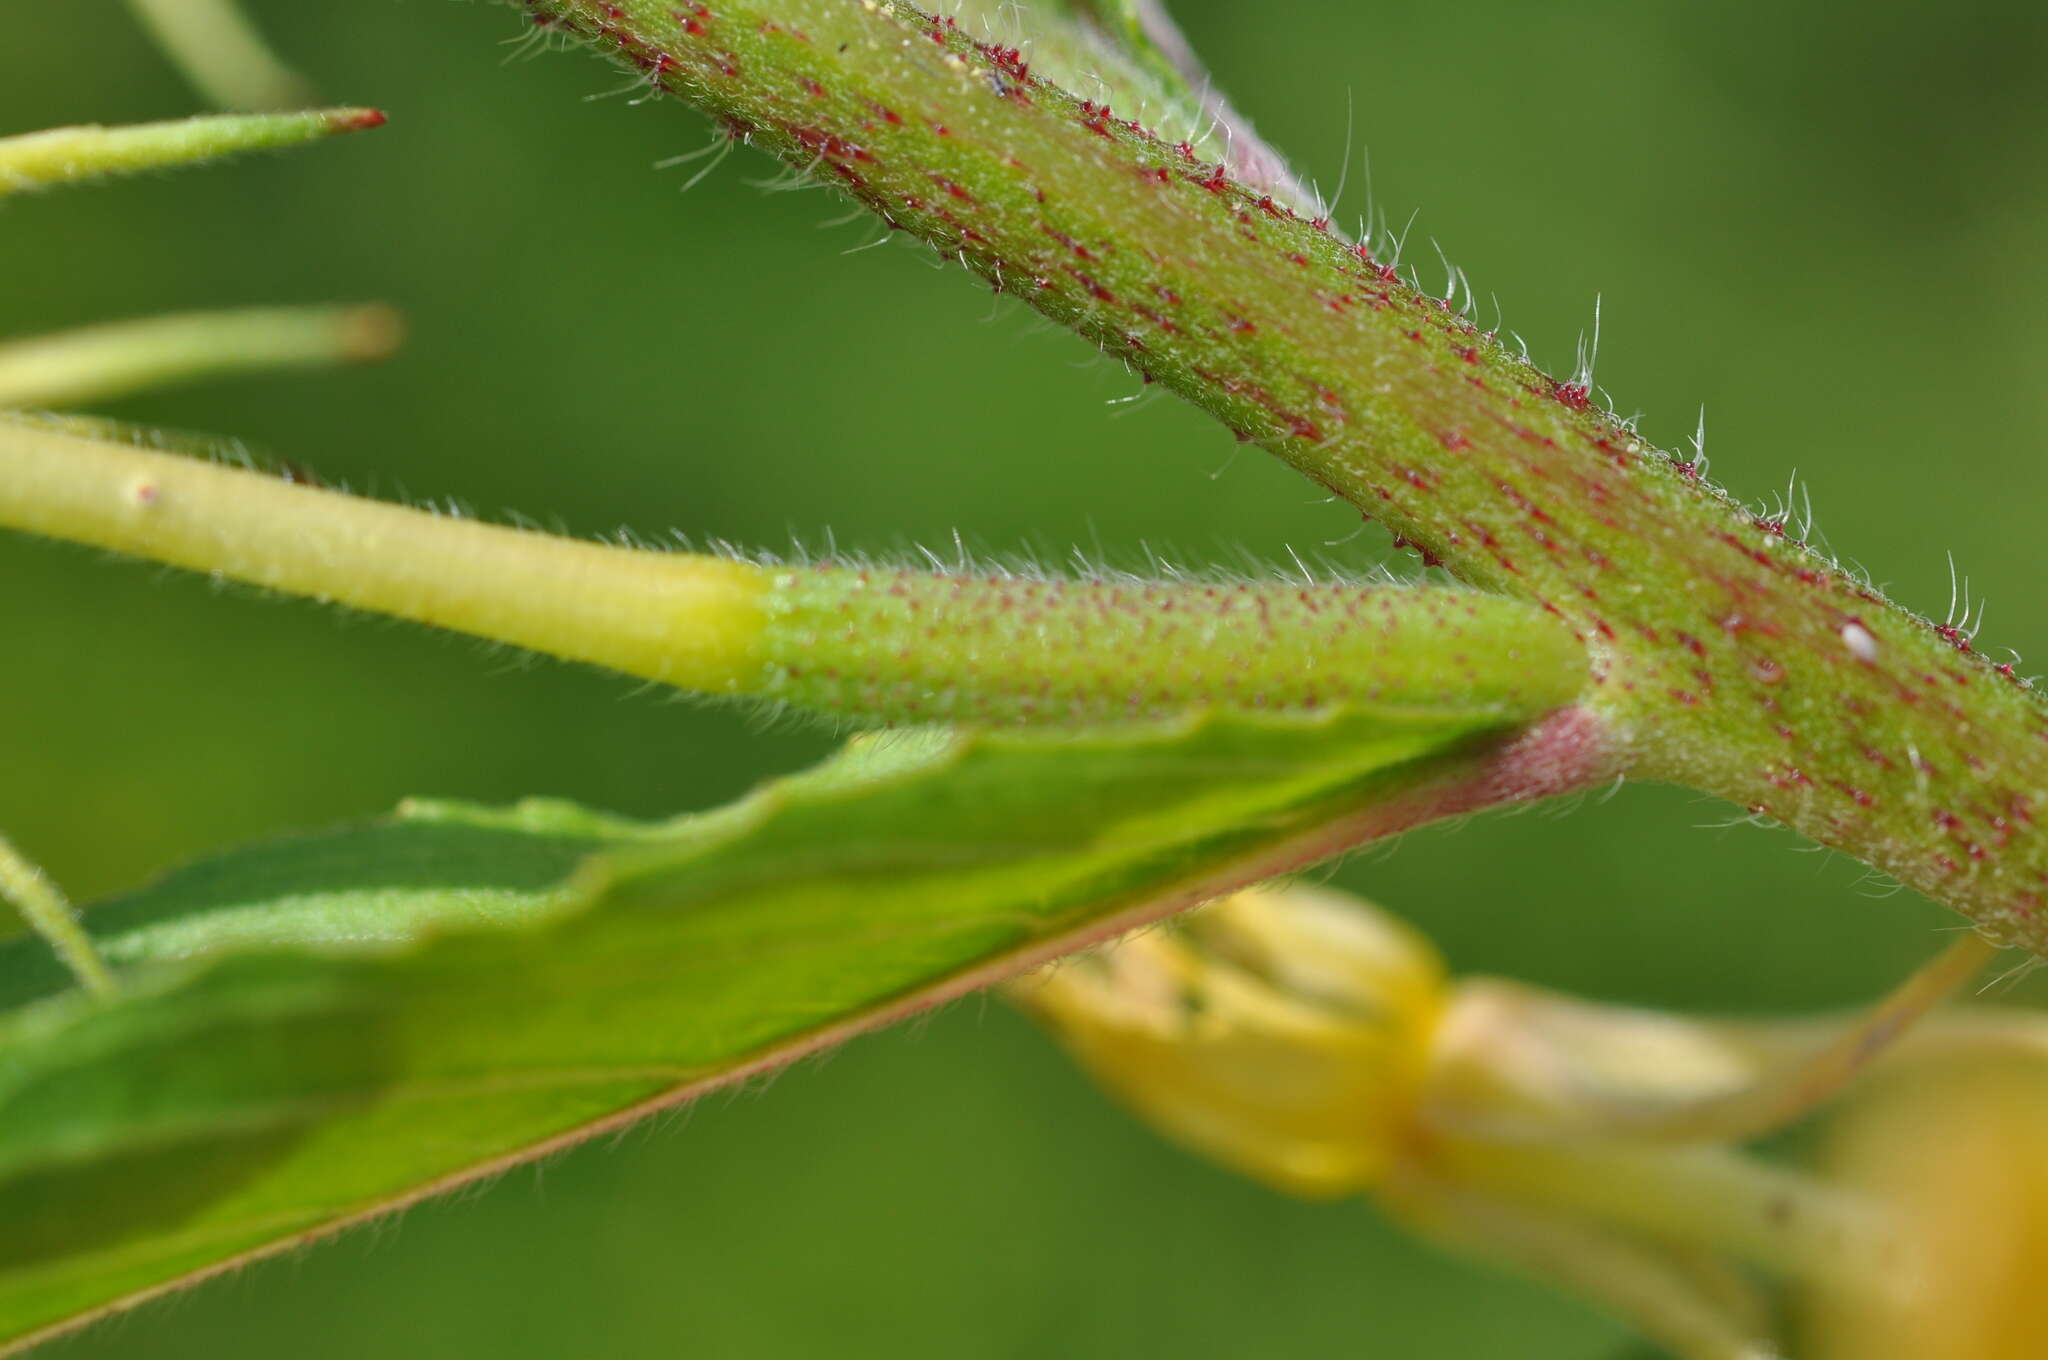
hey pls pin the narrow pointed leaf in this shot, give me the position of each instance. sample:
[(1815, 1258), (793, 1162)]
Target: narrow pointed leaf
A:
[(39, 160), (314, 1031)]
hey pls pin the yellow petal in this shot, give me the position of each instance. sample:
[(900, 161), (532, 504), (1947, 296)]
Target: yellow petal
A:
[(1962, 1158), (1283, 1032)]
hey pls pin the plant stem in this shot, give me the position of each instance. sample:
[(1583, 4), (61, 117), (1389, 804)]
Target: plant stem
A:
[(1788, 1089), (99, 362), (221, 53), (1587, 1070), (679, 619), (1695, 1197), (1729, 656), (875, 643), (1682, 1301), (50, 916)]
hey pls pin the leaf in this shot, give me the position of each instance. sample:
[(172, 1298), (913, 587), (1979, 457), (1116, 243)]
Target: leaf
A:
[(1130, 55), (320, 1029), (67, 155)]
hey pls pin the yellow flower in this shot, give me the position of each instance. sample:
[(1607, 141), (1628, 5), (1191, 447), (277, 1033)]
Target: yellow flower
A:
[(1961, 1160), (1282, 1031), (1308, 1040)]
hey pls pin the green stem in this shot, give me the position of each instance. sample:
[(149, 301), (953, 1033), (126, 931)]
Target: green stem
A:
[(1794, 1087), (1590, 1070), (868, 642), (221, 53), (50, 916), (115, 360), (678, 619), (1730, 656)]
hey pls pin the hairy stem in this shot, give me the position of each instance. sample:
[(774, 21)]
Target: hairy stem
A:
[(874, 643), (38, 160), (1730, 656)]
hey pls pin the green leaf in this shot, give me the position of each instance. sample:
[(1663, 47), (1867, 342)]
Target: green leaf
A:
[(1130, 55), (313, 1031), (67, 155)]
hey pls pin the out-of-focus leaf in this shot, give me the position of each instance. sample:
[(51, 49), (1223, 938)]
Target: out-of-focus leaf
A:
[(1131, 55)]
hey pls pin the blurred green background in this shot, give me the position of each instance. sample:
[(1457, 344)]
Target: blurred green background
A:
[(1824, 222)]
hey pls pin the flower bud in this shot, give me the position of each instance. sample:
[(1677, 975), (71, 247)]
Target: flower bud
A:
[(1282, 1030)]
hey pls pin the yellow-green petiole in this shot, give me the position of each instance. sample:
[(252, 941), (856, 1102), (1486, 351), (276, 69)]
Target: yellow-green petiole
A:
[(869, 642), (96, 363), (48, 913), (222, 53)]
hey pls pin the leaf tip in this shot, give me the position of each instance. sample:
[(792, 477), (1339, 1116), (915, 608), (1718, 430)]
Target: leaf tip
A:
[(369, 333), (354, 120)]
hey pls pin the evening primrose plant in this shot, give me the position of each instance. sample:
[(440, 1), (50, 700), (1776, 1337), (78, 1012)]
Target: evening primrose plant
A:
[(1308, 1040), (283, 1040)]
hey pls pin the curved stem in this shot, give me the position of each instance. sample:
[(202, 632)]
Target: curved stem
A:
[(1794, 1087), (1693, 1197), (1581, 1069), (1729, 655), (50, 916), (1697, 1311)]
